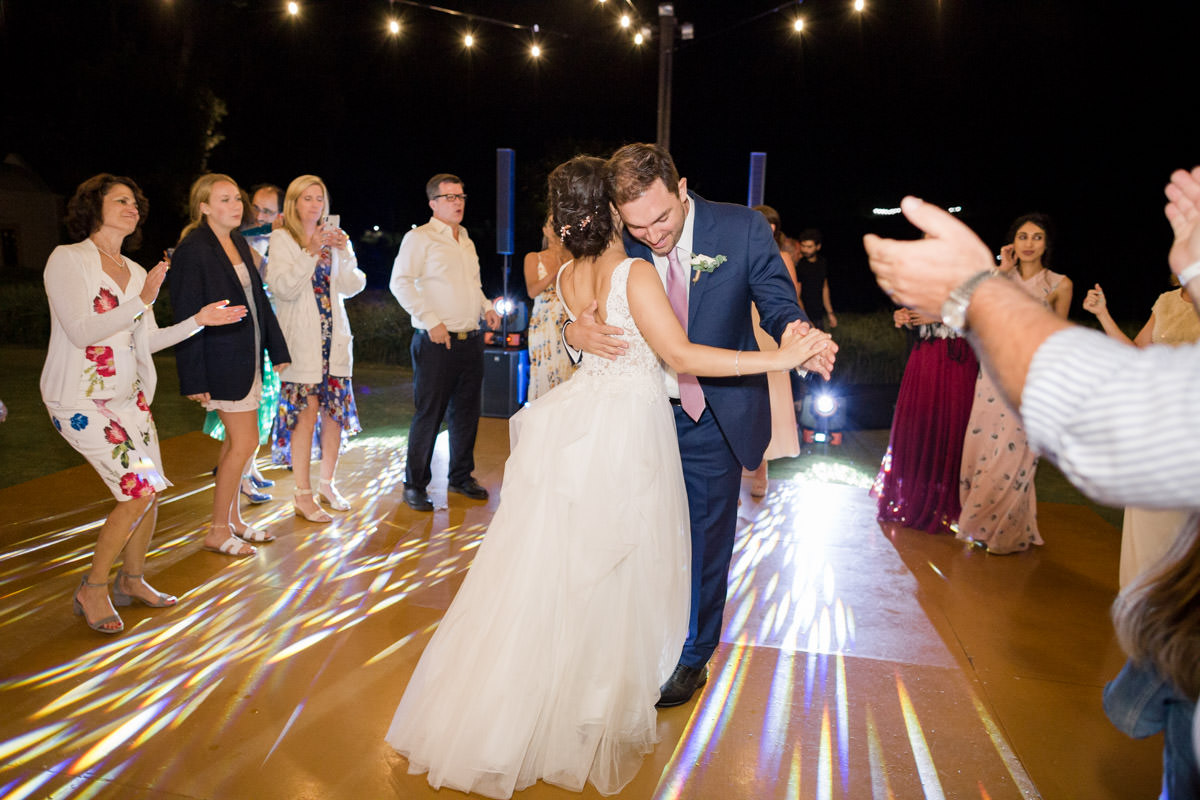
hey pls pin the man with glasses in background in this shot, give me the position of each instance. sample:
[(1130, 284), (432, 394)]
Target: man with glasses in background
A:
[(436, 279)]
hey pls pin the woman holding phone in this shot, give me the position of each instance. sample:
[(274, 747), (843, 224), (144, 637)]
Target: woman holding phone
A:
[(313, 270)]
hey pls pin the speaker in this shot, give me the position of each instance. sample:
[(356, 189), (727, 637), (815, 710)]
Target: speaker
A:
[(505, 381), (758, 179), (505, 180)]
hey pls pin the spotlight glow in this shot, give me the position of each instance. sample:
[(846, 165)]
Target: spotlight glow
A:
[(626, 21), (293, 8), (469, 40), (798, 25), (535, 51), (393, 28)]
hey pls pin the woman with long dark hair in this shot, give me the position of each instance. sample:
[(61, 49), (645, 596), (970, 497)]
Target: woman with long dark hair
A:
[(99, 379)]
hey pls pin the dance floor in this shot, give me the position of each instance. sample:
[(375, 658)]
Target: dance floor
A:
[(856, 663)]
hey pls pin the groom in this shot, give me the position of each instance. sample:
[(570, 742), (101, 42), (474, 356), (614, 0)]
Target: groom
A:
[(724, 257)]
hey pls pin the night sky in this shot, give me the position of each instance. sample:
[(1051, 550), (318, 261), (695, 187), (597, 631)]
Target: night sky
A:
[(1076, 109)]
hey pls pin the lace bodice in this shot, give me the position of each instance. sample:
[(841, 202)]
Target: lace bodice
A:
[(639, 359)]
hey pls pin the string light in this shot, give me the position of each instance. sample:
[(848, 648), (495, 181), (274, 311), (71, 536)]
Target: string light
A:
[(535, 51), (626, 21), (638, 38), (859, 5), (469, 40), (393, 26), (293, 8), (798, 25)]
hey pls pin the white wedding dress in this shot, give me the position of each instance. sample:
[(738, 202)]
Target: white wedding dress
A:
[(548, 663)]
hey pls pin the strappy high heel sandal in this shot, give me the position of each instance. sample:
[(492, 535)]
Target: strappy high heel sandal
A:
[(317, 516), (332, 496), (96, 626), (120, 598)]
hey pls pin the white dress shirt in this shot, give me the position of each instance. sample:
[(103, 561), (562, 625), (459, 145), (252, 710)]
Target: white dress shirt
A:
[(436, 278)]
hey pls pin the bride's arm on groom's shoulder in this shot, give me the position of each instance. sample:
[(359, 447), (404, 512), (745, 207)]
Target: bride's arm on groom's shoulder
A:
[(654, 317)]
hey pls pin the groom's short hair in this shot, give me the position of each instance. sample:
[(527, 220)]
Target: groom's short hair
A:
[(635, 167)]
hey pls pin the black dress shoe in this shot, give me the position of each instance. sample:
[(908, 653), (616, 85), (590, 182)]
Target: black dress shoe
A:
[(471, 488), (682, 684), (417, 500)]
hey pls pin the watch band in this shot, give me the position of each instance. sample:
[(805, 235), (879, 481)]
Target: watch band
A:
[(954, 310)]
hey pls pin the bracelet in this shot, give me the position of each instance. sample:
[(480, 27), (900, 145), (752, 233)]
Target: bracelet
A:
[(147, 306), (1188, 273), (737, 357)]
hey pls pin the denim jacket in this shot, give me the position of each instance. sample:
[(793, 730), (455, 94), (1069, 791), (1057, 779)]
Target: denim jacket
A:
[(1140, 703)]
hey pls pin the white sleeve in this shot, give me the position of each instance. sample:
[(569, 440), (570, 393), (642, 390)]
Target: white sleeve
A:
[(1122, 423)]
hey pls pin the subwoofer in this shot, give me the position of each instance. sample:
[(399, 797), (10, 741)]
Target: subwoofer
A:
[(505, 381)]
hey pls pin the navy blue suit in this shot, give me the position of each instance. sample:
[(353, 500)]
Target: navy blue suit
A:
[(735, 427)]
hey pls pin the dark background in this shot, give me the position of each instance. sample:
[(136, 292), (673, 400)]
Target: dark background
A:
[(1080, 110)]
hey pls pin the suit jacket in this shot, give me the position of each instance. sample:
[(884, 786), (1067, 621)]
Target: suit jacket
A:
[(719, 313), (221, 359)]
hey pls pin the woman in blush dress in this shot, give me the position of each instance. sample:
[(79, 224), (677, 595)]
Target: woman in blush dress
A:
[(549, 364), (578, 605), (999, 501), (222, 369), (917, 484), (1147, 534), (99, 379), (785, 436), (313, 270)]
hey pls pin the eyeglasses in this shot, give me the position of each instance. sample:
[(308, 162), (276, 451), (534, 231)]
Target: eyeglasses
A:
[(451, 197)]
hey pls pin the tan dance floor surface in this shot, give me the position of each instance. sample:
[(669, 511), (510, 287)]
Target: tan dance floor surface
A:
[(856, 663)]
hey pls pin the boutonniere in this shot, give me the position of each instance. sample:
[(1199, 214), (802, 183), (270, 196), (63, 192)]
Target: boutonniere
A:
[(701, 263)]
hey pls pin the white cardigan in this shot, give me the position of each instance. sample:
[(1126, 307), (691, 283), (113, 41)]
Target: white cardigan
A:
[(72, 279), (290, 280)]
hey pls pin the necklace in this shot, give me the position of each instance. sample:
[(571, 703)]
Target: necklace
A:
[(119, 261)]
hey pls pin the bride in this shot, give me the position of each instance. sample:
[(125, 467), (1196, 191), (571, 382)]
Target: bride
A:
[(548, 663)]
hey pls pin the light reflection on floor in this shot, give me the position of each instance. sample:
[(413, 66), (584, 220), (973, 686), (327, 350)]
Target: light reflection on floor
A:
[(268, 662)]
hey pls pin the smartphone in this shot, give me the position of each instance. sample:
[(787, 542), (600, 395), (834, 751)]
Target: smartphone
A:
[(333, 220)]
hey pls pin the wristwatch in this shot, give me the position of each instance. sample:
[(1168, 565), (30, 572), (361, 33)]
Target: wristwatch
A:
[(954, 310)]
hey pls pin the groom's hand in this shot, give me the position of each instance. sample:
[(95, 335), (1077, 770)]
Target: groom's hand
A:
[(595, 338), (822, 362)]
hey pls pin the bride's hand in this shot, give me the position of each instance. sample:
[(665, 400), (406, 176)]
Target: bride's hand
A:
[(799, 345)]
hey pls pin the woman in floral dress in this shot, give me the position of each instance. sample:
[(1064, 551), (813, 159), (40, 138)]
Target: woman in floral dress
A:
[(99, 379), (313, 270), (549, 364)]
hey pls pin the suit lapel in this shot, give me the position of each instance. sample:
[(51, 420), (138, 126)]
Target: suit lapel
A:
[(704, 242)]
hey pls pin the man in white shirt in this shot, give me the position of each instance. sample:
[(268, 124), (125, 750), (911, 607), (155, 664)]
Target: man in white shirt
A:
[(436, 280)]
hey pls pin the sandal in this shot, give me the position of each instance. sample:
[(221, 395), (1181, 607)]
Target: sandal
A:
[(120, 598), (252, 534), (332, 496), (232, 546), (317, 516), (98, 624)]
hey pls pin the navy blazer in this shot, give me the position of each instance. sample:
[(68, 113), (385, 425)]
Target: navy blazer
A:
[(719, 313), (219, 360)]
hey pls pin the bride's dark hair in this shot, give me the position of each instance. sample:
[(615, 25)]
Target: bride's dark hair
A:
[(579, 206)]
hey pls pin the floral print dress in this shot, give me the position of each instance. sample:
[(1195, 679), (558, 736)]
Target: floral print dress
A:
[(334, 394), (113, 427)]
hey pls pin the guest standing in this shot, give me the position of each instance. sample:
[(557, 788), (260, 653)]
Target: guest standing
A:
[(222, 369), (785, 437), (999, 500), (917, 485), (436, 280), (1147, 533), (549, 363), (99, 379), (313, 270)]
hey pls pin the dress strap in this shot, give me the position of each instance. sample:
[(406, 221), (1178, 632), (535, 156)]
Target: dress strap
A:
[(558, 287)]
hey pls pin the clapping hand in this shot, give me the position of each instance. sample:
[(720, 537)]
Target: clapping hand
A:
[(1183, 212), (220, 313), (154, 282), (1007, 262)]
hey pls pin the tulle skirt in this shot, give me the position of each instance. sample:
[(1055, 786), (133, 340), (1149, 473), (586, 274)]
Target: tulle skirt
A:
[(548, 663)]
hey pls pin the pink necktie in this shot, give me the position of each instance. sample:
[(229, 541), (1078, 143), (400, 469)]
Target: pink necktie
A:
[(691, 396)]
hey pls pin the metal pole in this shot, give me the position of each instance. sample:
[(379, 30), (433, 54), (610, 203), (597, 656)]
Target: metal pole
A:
[(666, 49)]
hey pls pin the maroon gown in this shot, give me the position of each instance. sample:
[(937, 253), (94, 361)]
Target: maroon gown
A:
[(918, 482)]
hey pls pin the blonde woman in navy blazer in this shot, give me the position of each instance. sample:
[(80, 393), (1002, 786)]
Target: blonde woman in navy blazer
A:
[(222, 370)]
